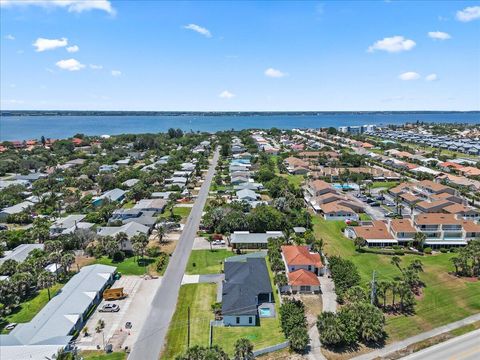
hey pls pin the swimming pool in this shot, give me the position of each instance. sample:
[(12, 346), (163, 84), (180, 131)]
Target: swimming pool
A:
[(265, 312)]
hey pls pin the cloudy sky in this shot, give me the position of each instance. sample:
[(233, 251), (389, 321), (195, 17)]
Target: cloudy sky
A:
[(148, 55)]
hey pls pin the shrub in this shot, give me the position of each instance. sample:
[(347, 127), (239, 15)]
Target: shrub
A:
[(153, 251), (427, 250), (444, 250), (118, 256), (162, 262)]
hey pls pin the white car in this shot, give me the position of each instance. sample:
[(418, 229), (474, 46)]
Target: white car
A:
[(10, 326), (110, 308), (218, 242)]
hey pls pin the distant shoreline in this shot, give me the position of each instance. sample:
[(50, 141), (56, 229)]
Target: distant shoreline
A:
[(214, 113)]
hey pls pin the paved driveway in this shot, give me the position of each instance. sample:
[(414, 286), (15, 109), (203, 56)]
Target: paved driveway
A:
[(151, 339), (329, 298)]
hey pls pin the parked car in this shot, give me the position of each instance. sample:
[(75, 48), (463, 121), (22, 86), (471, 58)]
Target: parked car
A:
[(10, 326), (381, 197), (375, 204), (218, 242), (3, 227), (389, 204), (390, 214), (110, 308), (128, 325), (369, 201)]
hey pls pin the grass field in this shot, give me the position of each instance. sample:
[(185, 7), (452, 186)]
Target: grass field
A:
[(199, 297), (365, 217), (206, 261), (100, 355), (28, 309), (268, 333), (180, 211), (129, 266), (445, 298), (295, 180), (384, 184)]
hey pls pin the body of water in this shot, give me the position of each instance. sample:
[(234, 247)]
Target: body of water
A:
[(56, 127)]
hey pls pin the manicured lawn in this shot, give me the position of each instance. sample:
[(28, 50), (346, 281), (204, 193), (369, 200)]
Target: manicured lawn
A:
[(444, 299), (27, 310), (199, 297), (128, 205), (181, 211), (100, 355), (268, 333), (129, 266), (365, 217), (384, 184), (206, 261)]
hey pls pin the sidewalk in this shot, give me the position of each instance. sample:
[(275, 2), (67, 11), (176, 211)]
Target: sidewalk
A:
[(417, 338)]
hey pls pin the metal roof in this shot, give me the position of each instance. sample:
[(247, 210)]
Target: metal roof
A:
[(21, 252)]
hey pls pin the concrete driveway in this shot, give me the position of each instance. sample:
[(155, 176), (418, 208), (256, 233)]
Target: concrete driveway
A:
[(329, 298)]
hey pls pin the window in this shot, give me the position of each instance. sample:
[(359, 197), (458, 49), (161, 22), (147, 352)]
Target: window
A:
[(250, 320), (238, 320), (309, 267)]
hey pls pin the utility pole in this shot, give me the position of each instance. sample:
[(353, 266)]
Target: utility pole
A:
[(374, 289), (188, 331)]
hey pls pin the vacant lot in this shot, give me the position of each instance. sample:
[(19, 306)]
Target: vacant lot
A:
[(100, 355), (130, 266), (207, 261), (445, 298), (199, 298)]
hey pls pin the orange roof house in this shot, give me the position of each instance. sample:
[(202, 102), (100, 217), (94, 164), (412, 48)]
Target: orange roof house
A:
[(300, 255), (302, 277)]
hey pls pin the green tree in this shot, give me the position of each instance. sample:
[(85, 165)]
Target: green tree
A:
[(46, 280), (243, 350)]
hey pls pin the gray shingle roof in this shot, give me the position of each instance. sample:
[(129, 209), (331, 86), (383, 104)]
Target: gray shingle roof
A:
[(21, 252), (244, 237), (244, 281)]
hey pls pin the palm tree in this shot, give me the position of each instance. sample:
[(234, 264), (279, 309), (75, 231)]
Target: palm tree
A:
[(394, 286), (396, 261), (416, 265), (243, 350), (382, 288), (160, 233), (45, 280), (121, 239), (419, 240), (66, 261), (457, 262)]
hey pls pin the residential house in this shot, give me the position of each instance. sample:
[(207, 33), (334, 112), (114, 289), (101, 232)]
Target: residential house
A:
[(15, 209), (110, 195), (246, 292), (300, 257), (247, 240), (130, 229), (20, 253)]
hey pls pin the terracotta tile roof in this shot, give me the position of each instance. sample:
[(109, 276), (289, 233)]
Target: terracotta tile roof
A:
[(302, 277), (433, 204), (458, 208), (327, 198), (449, 164), (402, 225), (400, 188), (470, 171), (309, 154), (300, 255), (436, 218), (318, 185), (470, 226), (428, 184), (378, 230), (410, 197), (296, 162), (334, 207)]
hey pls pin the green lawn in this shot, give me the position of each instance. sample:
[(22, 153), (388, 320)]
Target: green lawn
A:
[(384, 184), (365, 217), (199, 297), (28, 309), (268, 333), (181, 211), (129, 266), (295, 180), (100, 355), (206, 261), (128, 205), (445, 298)]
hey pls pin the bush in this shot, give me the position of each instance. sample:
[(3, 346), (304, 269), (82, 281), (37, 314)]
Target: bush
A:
[(344, 273), (118, 256), (444, 250), (427, 250), (162, 262), (399, 252), (153, 251)]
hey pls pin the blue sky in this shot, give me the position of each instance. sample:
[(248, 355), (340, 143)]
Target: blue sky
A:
[(149, 55)]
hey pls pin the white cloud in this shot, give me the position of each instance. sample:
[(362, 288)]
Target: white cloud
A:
[(77, 6), (274, 73), (73, 49), (9, 37), (96, 67), (226, 95), (431, 77), (198, 29), (439, 35), (42, 44), (70, 65), (393, 44), (409, 75), (468, 14), (116, 73)]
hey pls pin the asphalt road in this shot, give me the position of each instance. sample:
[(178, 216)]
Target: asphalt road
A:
[(465, 347), (151, 339)]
